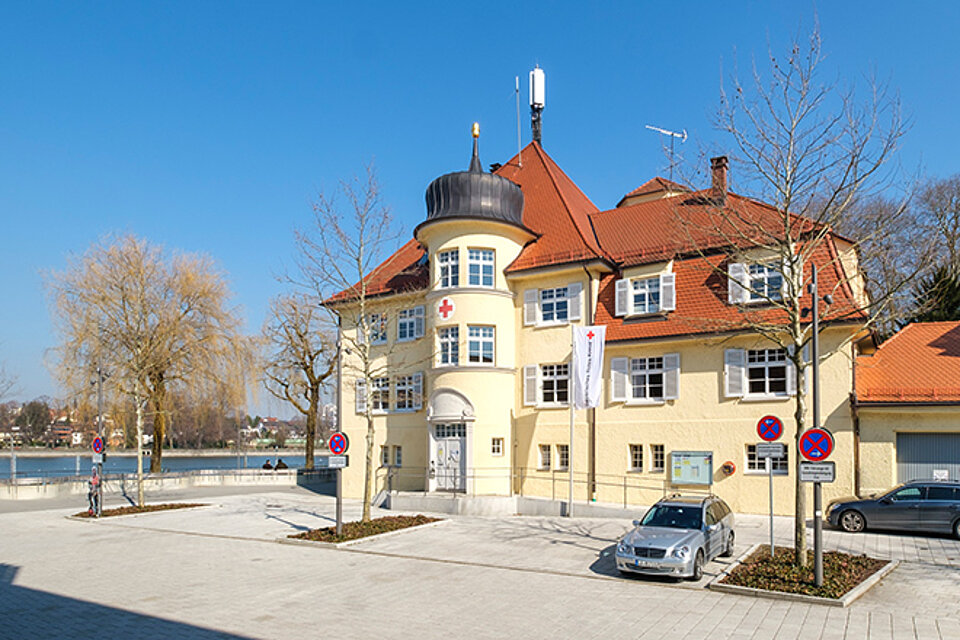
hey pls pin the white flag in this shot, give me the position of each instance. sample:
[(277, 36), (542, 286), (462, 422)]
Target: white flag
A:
[(587, 365)]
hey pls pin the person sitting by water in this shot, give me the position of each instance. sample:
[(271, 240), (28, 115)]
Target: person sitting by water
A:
[(267, 465), (280, 464)]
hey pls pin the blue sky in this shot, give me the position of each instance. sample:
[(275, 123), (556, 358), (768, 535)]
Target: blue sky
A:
[(211, 126)]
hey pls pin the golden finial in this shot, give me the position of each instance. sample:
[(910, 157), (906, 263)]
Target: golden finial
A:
[(476, 129)]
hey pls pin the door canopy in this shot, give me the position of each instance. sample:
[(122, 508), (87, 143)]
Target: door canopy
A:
[(449, 405)]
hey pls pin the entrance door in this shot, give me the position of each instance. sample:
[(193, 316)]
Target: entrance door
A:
[(449, 457)]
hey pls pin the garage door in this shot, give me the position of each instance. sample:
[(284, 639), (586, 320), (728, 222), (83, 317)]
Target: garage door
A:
[(919, 455)]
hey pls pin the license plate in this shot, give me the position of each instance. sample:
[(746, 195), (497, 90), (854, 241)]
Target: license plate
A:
[(643, 563)]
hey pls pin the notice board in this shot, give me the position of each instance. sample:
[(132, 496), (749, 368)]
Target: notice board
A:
[(691, 467)]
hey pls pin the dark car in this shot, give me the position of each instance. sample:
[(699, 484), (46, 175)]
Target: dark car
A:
[(932, 506)]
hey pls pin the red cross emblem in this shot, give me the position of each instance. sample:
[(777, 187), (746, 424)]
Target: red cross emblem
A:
[(590, 334), (446, 308)]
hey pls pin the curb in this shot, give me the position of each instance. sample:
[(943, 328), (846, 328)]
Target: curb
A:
[(145, 513), (350, 543), (845, 601)]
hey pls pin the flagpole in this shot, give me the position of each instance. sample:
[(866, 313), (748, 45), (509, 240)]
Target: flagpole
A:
[(571, 397)]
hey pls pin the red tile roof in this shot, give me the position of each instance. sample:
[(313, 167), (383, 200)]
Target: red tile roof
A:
[(701, 303), (555, 208), (403, 271), (919, 365), (656, 185)]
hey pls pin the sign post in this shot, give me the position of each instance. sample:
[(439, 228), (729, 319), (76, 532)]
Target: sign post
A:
[(770, 428), (338, 445)]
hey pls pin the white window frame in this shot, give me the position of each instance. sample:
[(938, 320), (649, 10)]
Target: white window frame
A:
[(484, 261), (384, 455), (397, 455), (754, 465), (377, 326), (646, 368), (448, 352), (410, 324), (625, 294), (496, 447), (544, 460), (569, 298), (622, 370), (448, 269), (765, 359), (409, 392), (658, 451), (765, 283), (555, 373), (380, 395), (480, 339), (635, 458), (563, 451), (649, 290), (756, 282)]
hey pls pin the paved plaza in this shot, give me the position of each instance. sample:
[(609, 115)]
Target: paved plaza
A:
[(218, 572)]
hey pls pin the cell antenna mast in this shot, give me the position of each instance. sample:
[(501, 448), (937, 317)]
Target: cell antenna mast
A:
[(673, 137), (538, 93)]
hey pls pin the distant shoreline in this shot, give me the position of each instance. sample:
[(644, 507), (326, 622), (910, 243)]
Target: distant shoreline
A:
[(43, 452)]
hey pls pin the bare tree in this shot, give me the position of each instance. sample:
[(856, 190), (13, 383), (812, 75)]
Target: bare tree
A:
[(302, 356), (811, 151), (8, 383), (151, 319), (338, 259), (939, 204)]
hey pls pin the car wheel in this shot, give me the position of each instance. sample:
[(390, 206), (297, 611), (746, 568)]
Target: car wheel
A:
[(852, 521), (697, 566), (956, 529), (728, 550)]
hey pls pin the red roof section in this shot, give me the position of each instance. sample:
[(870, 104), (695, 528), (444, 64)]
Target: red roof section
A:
[(656, 185), (702, 307), (403, 271), (553, 207), (920, 364)]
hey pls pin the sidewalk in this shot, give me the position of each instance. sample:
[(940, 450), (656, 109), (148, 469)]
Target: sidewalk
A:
[(217, 572)]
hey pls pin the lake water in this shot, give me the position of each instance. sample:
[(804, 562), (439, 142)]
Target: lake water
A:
[(59, 466)]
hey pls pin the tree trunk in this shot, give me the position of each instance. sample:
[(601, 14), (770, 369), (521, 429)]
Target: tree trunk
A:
[(311, 427), (368, 468), (139, 404), (159, 422), (800, 506)]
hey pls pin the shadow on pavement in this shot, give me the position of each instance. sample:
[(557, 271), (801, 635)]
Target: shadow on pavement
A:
[(29, 613), (319, 481)]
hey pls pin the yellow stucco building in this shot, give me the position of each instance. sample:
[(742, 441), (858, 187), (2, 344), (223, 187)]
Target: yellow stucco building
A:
[(469, 330)]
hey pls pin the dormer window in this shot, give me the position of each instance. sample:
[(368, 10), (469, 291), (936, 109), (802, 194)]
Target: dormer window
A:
[(646, 295), (756, 283), (448, 263)]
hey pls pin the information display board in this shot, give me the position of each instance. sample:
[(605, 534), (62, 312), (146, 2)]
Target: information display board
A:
[(691, 467)]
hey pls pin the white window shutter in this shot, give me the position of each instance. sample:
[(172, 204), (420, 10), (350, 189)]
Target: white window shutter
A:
[(573, 300), (530, 308), (618, 379), (791, 372), (418, 314), (733, 372), (361, 396), (737, 282), (418, 397), (671, 376), (622, 297), (668, 292), (530, 386)]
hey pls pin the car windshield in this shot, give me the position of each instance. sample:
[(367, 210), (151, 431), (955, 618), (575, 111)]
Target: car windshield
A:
[(677, 517)]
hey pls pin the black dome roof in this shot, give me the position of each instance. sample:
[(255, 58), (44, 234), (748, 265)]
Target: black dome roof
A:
[(475, 194)]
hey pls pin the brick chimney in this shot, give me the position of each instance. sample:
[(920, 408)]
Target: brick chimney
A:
[(718, 169)]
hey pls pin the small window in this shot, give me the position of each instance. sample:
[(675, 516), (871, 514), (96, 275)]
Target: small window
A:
[(646, 295), (555, 383), (781, 466), (942, 493), (766, 283), (377, 324), (480, 267), (451, 430), (384, 455), (449, 268), (410, 324), (381, 395), (449, 352), (636, 457), (480, 345), (659, 462), (563, 457), (398, 456), (409, 392), (554, 305), (544, 462), (767, 372), (496, 447)]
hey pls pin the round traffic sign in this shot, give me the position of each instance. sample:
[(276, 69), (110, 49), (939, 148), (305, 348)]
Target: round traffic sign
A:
[(98, 445), (816, 444), (770, 428), (338, 443)]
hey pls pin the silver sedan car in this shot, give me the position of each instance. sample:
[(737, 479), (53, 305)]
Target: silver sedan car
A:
[(677, 536)]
